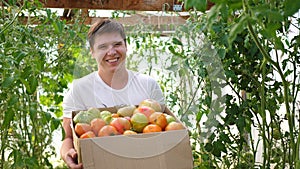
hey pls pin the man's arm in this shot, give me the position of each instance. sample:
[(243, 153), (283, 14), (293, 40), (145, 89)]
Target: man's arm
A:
[(67, 151)]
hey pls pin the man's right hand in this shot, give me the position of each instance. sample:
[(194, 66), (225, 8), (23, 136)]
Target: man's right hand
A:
[(67, 151), (71, 159)]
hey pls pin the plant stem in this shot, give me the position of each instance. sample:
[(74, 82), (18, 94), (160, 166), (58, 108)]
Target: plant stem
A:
[(297, 152), (263, 113), (285, 89), (193, 98), (4, 139), (12, 21)]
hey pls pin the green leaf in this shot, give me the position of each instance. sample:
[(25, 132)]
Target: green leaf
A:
[(58, 99), (55, 123), (270, 30), (8, 117), (173, 68), (48, 12), (188, 4), (220, 146), (182, 72), (208, 147), (13, 100), (137, 44), (199, 5), (224, 137), (72, 34), (33, 112), (213, 14), (298, 162), (291, 7), (199, 116), (216, 151), (221, 53), (57, 27), (274, 16), (2, 37), (47, 116), (26, 72), (176, 41), (32, 161), (241, 123), (8, 81), (237, 28), (20, 56), (288, 72), (236, 4), (172, 50), (278, 43), (33, 84)]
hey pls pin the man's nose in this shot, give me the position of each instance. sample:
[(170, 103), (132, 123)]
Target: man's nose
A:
[(111, 51)]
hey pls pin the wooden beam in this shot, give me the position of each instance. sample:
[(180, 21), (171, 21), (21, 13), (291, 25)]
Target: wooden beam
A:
[(138, 5), (156, 21), (148, 20), (123, 5), (164, 24)]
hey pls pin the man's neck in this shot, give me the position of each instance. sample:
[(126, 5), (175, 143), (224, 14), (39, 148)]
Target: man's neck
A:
[(116, 80)]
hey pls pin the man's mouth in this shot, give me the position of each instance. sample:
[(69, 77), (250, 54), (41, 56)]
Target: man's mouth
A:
[(112, 60)]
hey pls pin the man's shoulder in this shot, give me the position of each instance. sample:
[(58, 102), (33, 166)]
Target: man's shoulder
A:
[(141, 76), (85, 79)]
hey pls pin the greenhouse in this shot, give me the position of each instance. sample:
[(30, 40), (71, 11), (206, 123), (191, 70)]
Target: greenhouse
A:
[(225, 71)]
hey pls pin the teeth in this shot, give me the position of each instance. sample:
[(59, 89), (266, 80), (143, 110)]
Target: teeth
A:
[(112, 60)]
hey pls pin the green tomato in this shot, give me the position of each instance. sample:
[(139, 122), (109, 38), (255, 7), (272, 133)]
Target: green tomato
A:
[(170, 118)]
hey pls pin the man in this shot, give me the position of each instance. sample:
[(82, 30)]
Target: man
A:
[(111, 85)]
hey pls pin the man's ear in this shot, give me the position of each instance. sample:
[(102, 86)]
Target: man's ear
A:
[(91, 52), (126, 46)]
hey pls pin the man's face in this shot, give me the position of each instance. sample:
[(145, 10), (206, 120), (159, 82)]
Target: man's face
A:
[(109, 50)]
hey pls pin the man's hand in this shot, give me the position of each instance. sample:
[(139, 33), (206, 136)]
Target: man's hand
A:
[(71, 159)]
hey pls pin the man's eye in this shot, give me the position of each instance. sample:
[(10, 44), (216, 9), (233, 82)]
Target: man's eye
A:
[(102, 47), (118, 44)]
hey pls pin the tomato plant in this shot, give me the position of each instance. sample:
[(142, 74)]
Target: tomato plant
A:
[(37, 57), (260, 58), (230, 74)]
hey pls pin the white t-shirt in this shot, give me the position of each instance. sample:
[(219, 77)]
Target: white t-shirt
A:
[(90, 91)]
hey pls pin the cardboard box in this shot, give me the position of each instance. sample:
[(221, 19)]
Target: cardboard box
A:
[(161, 150)]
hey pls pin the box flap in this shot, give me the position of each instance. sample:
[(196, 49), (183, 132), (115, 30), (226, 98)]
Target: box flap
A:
[(76, 143), (132, 145)]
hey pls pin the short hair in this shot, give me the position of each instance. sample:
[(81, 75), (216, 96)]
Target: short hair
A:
[(105, 26)]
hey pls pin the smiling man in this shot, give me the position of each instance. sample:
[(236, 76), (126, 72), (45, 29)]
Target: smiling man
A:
[(111, 85), (109, 49)]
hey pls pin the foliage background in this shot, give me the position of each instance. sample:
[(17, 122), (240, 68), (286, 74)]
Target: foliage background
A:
[(226, 74), (37, 58)]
